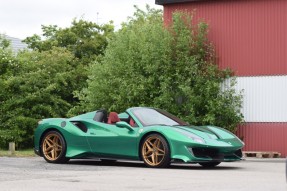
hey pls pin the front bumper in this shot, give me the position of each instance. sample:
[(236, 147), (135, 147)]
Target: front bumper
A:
[(195, 154), (213, 154)]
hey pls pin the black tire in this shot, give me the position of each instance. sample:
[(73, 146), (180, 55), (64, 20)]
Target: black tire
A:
[(209, 164), (155, 151), (53, 147)]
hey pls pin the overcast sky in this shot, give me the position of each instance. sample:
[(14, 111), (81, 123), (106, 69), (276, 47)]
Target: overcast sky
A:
[(22, 18)]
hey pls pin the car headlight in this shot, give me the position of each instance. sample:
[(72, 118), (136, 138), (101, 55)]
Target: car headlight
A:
[(197, 138), (240, 140), (192, 136)]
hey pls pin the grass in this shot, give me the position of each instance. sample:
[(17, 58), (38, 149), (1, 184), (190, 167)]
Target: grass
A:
[(20, 153)]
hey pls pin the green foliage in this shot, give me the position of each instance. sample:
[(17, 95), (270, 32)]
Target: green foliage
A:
[(41, 86), (6, 56), (84, 39), (147, 64), (40, 83), (143, 64), (4, 43), (7, 61)]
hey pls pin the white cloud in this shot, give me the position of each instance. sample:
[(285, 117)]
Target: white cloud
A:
[(22, 18)]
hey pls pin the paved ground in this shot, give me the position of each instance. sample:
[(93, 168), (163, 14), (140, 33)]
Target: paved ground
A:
[(35, 174)]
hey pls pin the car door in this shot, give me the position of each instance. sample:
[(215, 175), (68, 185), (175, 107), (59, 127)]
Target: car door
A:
[(108, 140)]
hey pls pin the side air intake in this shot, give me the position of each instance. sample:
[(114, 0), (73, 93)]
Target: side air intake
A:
[(80, 125)]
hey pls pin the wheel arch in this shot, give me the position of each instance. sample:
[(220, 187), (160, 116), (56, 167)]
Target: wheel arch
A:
[(147, 134), (44, 133)]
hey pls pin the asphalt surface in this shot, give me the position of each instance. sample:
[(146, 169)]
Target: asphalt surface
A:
[(91, 175)]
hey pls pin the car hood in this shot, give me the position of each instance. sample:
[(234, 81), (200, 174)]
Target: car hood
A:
[(206, 132)]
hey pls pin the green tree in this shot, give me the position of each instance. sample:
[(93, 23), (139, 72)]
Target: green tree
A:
[(7, 61), (84, 39), (41, 87), (173, 67), (40, 83)]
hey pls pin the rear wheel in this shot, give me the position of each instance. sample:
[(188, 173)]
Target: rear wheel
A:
[(54, 147), (155, 151), (209, 164)]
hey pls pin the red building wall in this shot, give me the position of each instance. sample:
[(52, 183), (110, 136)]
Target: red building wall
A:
[(264, 137), (250, 36)]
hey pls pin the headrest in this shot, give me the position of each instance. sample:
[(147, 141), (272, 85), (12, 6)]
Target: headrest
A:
[(113, 118)]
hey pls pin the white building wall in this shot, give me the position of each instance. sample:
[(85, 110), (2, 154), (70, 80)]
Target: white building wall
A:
[(264, 98), (16, 43)]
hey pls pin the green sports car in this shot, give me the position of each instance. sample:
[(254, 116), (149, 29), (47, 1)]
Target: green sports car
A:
[(151, 135)]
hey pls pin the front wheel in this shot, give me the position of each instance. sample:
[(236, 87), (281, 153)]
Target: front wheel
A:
[(155, 151), (54, 147), (209, 164)]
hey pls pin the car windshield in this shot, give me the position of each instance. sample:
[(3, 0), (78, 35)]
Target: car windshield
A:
[(150, 116)]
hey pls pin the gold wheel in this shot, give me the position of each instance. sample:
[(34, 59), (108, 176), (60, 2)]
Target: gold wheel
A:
[(153, 151), (52, 147)]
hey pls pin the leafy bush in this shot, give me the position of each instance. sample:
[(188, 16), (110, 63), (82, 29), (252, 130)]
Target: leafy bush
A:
[(41, 86), (40, 83), (173, 67)]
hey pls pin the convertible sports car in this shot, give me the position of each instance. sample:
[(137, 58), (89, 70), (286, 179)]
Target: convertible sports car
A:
[(148, 134)]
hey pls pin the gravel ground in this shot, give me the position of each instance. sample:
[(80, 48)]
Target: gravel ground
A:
[(36, 174)]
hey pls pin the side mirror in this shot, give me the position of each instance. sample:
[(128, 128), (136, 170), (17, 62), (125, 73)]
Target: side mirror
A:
[(123, 124)]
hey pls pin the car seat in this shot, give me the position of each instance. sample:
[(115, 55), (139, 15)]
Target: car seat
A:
[(113, 118)]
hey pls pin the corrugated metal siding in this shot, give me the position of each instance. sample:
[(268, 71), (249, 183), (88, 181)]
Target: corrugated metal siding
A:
[(264, 98), (264, 137), (16, 43), (249, 35)]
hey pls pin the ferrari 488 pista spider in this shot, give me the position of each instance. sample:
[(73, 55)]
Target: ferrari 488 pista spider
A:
[(152, 135)]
